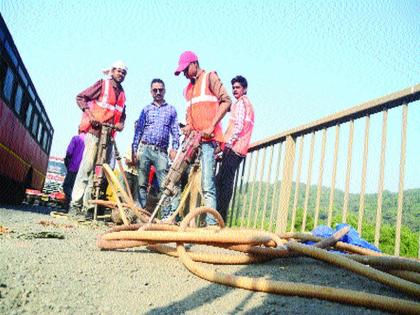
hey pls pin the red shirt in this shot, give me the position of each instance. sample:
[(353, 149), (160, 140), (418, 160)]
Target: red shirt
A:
[(92, 93)]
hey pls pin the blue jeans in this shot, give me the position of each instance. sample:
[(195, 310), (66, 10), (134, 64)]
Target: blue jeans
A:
[(208, 183), (148, 155)]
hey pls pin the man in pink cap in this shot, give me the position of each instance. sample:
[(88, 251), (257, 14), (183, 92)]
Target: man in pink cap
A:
[(207, 103)]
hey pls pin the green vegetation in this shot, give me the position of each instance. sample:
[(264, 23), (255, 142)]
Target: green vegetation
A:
[(267, 199)]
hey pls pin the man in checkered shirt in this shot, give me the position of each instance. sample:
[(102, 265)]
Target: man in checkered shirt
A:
[(157, 125)]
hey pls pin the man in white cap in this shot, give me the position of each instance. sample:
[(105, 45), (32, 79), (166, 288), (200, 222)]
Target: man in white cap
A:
[(103, 102), (207, 103)]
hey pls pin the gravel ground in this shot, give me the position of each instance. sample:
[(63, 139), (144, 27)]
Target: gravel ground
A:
[(72, 276)]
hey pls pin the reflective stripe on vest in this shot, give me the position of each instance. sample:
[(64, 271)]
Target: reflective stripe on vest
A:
[(110, 106), (103, 108), (203, 97), (104, 101), (203, 105), (241, 145)]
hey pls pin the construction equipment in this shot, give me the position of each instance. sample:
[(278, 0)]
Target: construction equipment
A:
[(186, 156), (104, 149), (106, 141)]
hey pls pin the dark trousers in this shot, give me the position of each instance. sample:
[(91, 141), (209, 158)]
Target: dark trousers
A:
[(225, 179), (68, 186), (132, 183)]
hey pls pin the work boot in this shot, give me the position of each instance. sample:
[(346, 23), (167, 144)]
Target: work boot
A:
[(77, 213), (88, 214), (75, 210)]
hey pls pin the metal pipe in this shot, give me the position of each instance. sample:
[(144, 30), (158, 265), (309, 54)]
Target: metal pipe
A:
[(257, 206), (333, 175), (297, 184), (321, 172), (402, 174), (267, 187), (246, 190), (252, 188), (348, 172), (381, 180), (308, 182), (277, 182), (363, 183)]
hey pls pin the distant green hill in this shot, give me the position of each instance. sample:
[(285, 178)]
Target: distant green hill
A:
[(410, 218), (411, 203)]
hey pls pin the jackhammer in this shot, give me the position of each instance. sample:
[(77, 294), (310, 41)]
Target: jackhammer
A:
[(105, 139), (186, 156)]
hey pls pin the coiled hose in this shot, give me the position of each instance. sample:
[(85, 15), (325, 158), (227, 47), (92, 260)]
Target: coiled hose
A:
[(252, 246)]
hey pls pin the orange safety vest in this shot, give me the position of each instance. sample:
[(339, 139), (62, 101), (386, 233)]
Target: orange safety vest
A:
[(202, 106), (241, 145), (106, 107)]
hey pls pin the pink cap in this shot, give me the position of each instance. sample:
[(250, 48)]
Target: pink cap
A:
[(184, 60)]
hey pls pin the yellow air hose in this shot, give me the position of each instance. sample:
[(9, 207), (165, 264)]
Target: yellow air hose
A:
[(253, 246)]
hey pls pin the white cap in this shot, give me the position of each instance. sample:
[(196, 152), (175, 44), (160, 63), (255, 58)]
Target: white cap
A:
[(119, 64)]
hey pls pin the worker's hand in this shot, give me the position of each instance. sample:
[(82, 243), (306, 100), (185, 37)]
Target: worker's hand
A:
[(172, 154), (218, 148), (134, 159), (129, 162), (218, 156), (186, 130), (208, 132), (119, 126), (218, 152), (228, 145), (95, 123)]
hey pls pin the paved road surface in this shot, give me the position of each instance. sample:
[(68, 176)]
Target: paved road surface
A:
[(72, 276)]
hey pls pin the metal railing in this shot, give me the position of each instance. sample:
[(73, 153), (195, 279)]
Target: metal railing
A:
[(271, 173)]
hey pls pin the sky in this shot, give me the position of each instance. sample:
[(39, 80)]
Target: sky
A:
[(303, 59)]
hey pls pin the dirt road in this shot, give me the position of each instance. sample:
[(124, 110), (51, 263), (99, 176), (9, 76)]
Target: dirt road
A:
[(70, 275)]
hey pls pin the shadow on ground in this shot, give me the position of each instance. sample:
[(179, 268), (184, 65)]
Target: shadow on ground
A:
[(297, 269)]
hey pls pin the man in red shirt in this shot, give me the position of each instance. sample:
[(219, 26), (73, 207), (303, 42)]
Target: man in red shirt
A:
[(103, 102), (237, 138)]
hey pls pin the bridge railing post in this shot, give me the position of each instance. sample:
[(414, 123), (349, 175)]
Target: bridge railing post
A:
[(286, 184)]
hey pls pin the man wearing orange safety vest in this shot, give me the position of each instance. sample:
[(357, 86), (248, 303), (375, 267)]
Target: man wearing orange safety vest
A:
[(237, 137), (103, 102), (207, 104)]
